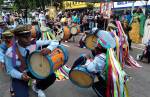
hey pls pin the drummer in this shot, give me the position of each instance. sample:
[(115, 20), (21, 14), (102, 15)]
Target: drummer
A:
[(15, 60), (6, 43), (82, 40), (96, 65)]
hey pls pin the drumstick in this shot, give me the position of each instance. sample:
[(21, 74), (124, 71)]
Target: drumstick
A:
[(42, 48), (48, 36)]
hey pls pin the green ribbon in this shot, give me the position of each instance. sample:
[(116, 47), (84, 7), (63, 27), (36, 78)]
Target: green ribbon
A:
[(106, 67)]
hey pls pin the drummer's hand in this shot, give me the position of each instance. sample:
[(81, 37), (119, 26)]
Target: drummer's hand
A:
[(25, 77), (45, 51)]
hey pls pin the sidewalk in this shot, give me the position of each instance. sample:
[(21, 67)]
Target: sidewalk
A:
[(138, 46)]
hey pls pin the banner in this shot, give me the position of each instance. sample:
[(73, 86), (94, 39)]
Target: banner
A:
[(76, 5), (105, 9)]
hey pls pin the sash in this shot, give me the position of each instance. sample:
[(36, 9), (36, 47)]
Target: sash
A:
[(23, 63)]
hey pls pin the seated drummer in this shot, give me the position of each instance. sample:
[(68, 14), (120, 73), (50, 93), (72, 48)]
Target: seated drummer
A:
[(6, 43), (16, 66)]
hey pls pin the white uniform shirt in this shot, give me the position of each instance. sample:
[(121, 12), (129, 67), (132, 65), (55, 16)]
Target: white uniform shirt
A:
[(96, 65)]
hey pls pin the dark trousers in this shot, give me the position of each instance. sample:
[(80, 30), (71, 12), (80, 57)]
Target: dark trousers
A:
[(21, 88), (99, 87), (45, 83), (81, 43), (85, 26)]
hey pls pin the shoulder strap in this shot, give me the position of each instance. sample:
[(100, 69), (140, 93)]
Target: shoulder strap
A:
[(23, 64), (96, 31)]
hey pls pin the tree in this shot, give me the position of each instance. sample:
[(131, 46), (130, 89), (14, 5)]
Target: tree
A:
[(1, 2), (33, 4)]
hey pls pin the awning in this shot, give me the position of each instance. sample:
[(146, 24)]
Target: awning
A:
[(77, 5)]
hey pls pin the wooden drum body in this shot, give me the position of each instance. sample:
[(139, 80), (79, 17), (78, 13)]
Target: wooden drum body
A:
[(67, 33), (78, 29), (58, 57)]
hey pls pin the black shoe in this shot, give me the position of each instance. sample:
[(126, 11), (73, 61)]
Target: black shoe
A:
[(12, 93)]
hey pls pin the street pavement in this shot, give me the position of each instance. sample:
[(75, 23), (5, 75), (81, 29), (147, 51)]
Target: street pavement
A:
[(139, 83)]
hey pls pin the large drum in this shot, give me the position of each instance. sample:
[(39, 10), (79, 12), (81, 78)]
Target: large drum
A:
[(79, 74), (67, 33), (90, 41), (58, 57), (41, 66)]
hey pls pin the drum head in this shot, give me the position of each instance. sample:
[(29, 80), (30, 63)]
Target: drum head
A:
[(81, 78), (90, 41), (39, 65), (73, 30)]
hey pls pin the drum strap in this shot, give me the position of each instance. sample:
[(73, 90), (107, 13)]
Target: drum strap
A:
[(97, 31), (23, 63)]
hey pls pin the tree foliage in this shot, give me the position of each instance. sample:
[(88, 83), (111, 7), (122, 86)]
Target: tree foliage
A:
[(1, 2), (32, 4)]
